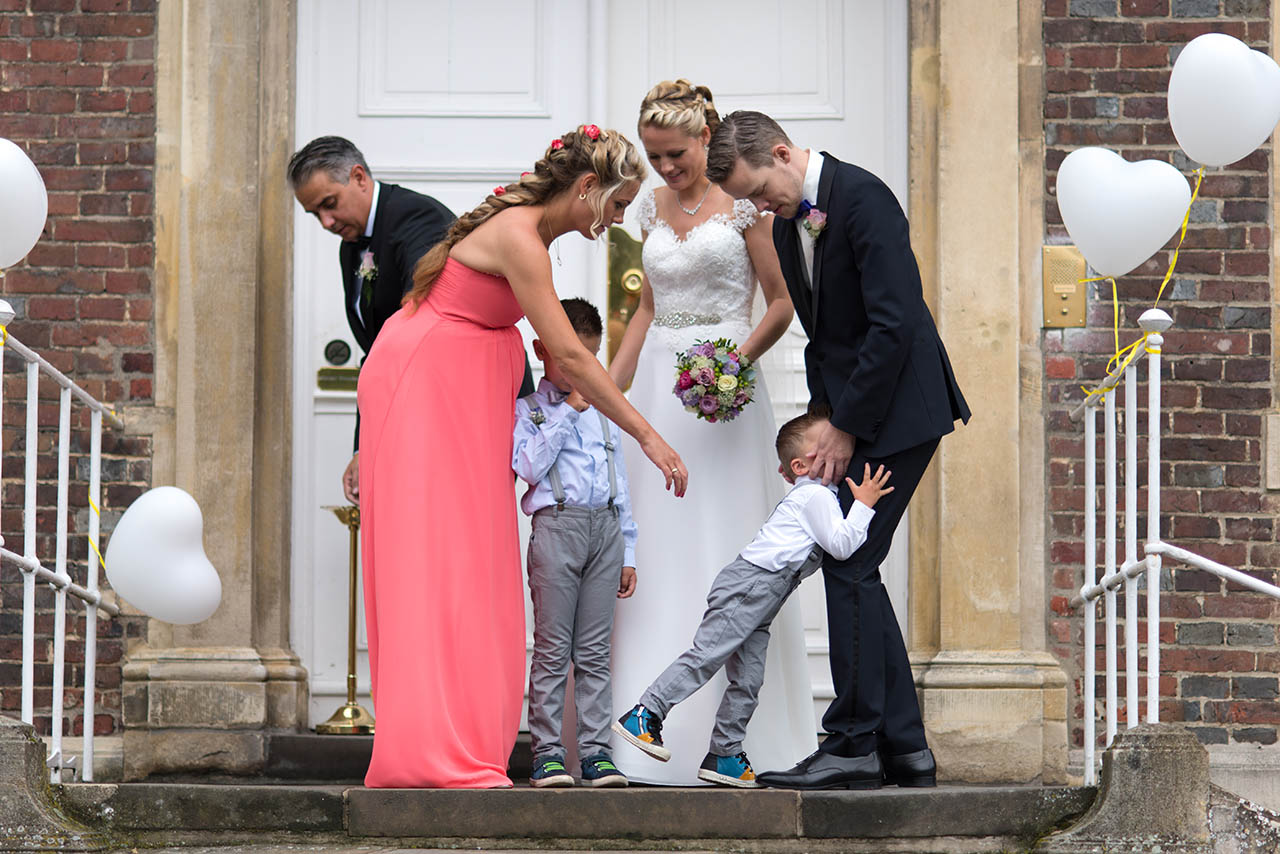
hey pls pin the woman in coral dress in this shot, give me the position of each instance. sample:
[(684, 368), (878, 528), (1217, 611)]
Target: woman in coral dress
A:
[(444, 605)]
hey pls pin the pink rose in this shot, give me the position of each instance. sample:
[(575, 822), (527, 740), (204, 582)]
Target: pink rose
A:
[(592, 132), (706, 376), (685, 381)]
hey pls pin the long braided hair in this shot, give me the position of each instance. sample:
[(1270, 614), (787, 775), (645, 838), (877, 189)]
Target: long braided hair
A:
[(679, 104), (605, 153)]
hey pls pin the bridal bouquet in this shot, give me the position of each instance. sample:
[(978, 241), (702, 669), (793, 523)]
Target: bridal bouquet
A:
[(713, 380)]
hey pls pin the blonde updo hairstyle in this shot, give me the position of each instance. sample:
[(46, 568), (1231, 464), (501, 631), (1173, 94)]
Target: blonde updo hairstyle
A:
[(610, 156), (681, 105)]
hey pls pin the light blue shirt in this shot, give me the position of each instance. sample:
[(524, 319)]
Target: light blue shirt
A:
[(573, 441)]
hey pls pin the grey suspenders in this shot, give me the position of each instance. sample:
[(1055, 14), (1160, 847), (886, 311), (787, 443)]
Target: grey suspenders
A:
[(557, 485)]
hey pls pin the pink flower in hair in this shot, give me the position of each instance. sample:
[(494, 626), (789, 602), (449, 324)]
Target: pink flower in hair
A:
[(523, 174), (557, 144), (592, 132), (499, 190)]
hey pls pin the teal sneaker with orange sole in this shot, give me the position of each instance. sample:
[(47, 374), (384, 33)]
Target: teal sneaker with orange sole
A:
[(728, 771), (643, 728)]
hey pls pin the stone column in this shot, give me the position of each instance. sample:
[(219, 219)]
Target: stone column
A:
[(993, 698), (204, 696)]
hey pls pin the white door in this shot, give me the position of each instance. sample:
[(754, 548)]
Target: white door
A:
[(451, 98)]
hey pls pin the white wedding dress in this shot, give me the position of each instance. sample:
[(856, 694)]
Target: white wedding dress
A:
[(703, 288)]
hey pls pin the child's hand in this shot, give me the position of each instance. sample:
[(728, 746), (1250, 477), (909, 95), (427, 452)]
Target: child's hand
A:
[(577, 401), (627, 584), (872, 487)]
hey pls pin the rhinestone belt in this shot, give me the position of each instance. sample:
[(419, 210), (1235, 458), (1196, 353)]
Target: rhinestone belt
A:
[(681, 319)]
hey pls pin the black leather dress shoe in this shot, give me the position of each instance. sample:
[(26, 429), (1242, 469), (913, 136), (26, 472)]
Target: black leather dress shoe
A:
[(825, 771), (911, 769)]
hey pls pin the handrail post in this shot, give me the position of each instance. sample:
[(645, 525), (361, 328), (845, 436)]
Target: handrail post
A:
[(1109, 559), (29, 545), (1132, 711), (60, 567), (91, 583), (1154, 322), (1090, 577)]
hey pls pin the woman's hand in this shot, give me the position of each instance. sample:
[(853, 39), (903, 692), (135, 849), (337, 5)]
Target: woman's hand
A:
[(668, 462)]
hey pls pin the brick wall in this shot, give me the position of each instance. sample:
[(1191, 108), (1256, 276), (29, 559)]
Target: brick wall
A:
[(77, 92), (1107, 72)]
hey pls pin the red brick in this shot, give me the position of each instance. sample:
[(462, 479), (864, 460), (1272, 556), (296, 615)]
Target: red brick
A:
[(104, 50), (112, 101), (140, 309), (1060, 367), (103, 152), (1203, 660), (94, 255), (107, 25), (102, 308), (54, 50), (51, 308), (104, 230), (1144, 56), (132, 75), (104, 204)]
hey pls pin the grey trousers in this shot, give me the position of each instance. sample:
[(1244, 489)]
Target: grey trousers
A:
[(575, 562), (734, 634)]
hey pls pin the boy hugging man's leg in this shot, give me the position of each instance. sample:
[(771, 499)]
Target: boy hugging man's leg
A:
[(581, 558), (745, 597)]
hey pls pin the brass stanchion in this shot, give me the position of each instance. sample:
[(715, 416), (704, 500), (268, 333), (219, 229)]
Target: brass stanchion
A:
[(352, 718)]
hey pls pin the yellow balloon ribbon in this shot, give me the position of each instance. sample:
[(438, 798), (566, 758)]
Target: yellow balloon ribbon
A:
[(1121, 354)]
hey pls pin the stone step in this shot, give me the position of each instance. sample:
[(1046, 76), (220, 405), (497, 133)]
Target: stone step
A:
[(345, 758), (943, 819)]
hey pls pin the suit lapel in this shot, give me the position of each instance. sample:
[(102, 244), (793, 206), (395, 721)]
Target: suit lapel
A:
[(792, 260), (825, 180)]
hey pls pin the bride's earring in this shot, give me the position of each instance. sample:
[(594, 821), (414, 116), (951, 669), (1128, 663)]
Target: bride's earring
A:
[(582, 197)]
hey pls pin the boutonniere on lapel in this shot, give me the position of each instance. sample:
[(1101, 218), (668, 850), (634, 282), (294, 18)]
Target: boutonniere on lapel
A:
[(366, 273), (813, 220), (537, 416)]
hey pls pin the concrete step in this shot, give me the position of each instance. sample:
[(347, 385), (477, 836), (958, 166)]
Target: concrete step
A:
[(943, 819)]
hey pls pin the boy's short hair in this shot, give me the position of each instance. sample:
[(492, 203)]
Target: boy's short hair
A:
[(790, 442), (582, 316)]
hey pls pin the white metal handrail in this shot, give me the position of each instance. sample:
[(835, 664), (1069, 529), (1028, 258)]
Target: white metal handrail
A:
[(33, 571), (1154, 323)]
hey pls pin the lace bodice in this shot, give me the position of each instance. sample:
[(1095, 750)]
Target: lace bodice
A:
[(702, 285)]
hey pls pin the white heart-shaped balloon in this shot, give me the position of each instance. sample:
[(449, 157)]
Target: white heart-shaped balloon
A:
[(1119, 213), (156, 558), (24, 204), (1224, 99)]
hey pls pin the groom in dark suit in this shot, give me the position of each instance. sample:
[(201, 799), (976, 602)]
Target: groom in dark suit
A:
[(875, 362), (384, 228)]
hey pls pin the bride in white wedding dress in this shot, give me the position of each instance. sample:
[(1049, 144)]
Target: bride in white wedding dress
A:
[(703, 253)]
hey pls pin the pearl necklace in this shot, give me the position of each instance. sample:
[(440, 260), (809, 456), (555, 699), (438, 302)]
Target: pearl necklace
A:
[(698, 206)]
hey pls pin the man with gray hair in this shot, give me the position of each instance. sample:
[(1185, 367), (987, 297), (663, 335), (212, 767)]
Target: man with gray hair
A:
[(384, 228)]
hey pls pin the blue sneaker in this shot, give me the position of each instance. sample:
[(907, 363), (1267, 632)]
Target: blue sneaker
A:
[(643, 728), (601, 773), (728, 771), (550, 773)]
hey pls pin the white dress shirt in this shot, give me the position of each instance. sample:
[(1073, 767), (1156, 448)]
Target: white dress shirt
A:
[(809, 514), (574, 443), (812, 175)]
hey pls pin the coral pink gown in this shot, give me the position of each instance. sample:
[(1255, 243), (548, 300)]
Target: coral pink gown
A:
[(444, 604)]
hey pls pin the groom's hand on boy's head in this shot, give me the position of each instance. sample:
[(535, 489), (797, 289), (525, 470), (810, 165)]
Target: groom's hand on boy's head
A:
[(831, 458)]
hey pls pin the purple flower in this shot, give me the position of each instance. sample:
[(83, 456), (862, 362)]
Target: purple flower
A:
[(709, 404), (685, 381), (690, 398), (706, 348), (740, 398), (706, 376), (730, 367)]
